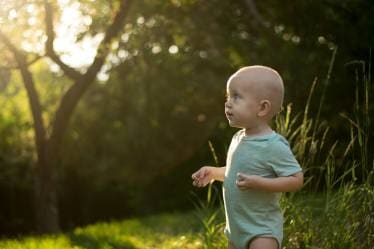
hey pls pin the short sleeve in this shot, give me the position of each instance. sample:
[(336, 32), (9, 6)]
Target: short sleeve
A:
[(281, 158)]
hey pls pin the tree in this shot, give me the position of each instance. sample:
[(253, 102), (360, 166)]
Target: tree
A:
[(48, 144), (210, 40)]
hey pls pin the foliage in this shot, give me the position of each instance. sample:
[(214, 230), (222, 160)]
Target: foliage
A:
[(211, 218), (162, 231), (160, 98), (343, 219)]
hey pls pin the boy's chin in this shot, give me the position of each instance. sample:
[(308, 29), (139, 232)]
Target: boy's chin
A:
[(233, 124)]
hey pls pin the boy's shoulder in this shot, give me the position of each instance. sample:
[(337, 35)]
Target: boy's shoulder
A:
[(239, 133), (273, 141), (278, 144), (279, 140)]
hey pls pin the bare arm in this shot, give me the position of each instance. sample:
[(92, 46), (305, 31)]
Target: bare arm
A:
[(219, 173), (206, 174), (280, 184)]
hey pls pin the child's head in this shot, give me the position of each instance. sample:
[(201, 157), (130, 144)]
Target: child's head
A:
[(254, 96)]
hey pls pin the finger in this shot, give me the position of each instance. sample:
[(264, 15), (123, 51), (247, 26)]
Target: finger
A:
[(240, 182), (240, 185), (197, 184), (205, 182), (200, 183), (196, 175), (240, 176)]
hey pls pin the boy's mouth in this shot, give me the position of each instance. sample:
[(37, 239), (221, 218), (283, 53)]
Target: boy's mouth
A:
[(229, 115)]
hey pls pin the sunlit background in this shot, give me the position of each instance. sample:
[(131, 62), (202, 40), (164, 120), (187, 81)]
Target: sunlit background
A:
[(153, 113)]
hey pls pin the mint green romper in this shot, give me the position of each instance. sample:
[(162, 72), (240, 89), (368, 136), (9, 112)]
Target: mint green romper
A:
[(255, 213)]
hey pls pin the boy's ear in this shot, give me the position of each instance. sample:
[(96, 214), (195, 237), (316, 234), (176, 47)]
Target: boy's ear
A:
[(265, 108)]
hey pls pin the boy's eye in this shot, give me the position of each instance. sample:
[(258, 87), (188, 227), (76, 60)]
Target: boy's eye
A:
[(234, 96)]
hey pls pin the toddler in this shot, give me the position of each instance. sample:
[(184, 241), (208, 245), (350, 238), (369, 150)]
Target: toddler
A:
[(259, 165)]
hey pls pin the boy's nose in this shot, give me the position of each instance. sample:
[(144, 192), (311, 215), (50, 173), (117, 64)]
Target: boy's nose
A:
[(227, 104)]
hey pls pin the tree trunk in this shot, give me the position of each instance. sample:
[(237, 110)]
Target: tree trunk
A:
[(48, 149), (46, 196)]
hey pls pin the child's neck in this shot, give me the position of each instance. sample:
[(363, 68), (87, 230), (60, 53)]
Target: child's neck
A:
[(258, 130)]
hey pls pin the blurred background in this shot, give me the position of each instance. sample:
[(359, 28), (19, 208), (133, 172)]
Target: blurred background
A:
[(143, 123)]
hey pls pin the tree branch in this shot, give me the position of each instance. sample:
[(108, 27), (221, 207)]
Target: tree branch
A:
[(69, 71), (72, 96), (28, 63), (110, 33), (33, 97)]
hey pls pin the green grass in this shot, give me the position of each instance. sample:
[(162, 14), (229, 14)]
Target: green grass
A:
[(343, 219), (162, 231)]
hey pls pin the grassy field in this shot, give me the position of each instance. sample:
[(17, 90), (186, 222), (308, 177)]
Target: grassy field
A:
[(341, 219), (161, 231)]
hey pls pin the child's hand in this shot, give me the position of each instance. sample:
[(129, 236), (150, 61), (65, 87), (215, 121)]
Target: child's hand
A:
[(247, 181), (203, 176)]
